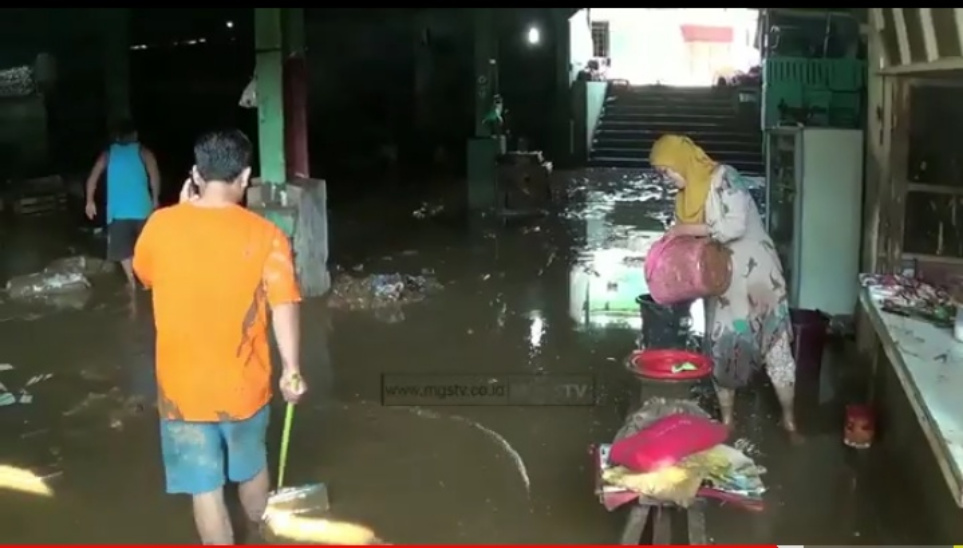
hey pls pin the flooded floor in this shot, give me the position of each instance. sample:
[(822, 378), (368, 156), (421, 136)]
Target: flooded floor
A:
[(552, 295)]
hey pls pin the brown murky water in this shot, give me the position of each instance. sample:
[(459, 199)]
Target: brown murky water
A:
[(513, 302)]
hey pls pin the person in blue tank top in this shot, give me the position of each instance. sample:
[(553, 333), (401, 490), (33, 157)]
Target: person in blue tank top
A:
[(133, 186)]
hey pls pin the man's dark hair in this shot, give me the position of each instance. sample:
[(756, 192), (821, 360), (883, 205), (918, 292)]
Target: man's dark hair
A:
[(124, 131), (222, 155)]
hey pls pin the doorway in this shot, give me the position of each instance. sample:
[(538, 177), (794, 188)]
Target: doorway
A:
[(674, 47)]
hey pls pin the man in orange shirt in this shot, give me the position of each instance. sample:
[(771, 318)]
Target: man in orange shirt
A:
[(214, 268)]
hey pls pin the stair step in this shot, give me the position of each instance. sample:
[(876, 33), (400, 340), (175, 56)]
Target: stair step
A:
[(672, 102), (634, 117), (633, 131), (689, 108), (720, 155), (705, 98), (747, 168), (669, 90), (662, 116), (666, 126), (604, 141)]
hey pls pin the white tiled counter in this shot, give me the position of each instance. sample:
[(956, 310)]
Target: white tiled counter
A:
[(928, 362)]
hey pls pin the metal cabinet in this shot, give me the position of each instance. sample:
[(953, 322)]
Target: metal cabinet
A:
[(814, 189)]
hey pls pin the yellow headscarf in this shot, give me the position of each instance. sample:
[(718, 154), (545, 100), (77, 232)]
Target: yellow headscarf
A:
[(686, 158)]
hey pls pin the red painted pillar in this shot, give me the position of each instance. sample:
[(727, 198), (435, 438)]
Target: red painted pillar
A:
[(296, 117)]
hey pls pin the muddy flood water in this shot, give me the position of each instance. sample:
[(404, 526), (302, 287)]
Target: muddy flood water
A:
[(513, 301)]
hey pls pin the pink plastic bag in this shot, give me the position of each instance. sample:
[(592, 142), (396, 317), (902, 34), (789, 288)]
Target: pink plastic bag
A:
[(685, 268), (667, 441)]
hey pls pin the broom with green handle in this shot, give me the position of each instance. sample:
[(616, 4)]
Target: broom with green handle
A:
[(300, 499)]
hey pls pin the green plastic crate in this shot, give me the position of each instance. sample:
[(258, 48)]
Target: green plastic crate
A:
[(800, 82)]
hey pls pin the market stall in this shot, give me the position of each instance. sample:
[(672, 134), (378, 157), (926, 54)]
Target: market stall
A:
[(911, 227), (914, 323)]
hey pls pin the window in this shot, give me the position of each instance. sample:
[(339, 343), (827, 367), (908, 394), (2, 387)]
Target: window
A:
[(600, 38)]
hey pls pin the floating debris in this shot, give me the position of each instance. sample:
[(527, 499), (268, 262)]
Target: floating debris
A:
[(381, 291), (62, 276), (427, 211), (10, 397), (45, 283), (39, 378)]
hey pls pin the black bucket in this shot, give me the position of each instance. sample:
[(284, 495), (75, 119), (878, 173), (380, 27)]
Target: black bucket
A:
[(664, 326)]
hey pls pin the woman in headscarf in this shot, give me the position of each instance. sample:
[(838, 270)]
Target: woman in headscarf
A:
[(750, 323)]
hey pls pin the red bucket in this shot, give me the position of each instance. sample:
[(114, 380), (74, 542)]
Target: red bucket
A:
[(661, 364)]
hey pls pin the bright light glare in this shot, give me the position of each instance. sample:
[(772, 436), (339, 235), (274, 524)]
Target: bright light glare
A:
[(230, 24), (24, 481), (534, 36), (536, 330), (318, 530)]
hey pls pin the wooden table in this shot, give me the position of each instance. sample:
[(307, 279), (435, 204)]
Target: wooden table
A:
[(662, 515), (928, 362)]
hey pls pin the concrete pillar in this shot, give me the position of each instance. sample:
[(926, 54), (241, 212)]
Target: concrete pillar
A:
[(485, 54), (562, 145), (116, 55), (482, 148), (269, 44), (297, 204), (423, 74)]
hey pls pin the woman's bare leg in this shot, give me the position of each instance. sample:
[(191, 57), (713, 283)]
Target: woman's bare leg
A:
[(781, 368)]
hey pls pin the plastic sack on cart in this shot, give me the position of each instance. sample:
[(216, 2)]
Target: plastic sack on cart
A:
[(667, 441)]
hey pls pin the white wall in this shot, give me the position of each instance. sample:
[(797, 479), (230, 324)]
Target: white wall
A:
[(580, 42)]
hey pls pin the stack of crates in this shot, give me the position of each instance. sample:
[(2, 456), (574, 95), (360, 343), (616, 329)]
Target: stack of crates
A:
[(832, 88)]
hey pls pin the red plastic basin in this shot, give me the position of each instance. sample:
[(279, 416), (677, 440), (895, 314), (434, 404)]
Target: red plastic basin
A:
[(657, 364)]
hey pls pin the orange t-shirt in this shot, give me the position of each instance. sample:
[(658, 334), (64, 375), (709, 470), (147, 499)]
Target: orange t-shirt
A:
[(213, 273)]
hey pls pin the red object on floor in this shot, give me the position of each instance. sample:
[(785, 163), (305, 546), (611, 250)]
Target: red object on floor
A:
[(657, 364), (707, 33), (860, 428)]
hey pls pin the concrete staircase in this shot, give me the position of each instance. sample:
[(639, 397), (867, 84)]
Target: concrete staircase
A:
[(635, 116)]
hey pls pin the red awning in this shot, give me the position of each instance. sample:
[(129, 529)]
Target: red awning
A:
[(704, 33)]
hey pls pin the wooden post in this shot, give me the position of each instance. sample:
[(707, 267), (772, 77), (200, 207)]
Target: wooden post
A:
[(875, 189), (875, 155), (884, 191), (898, 169)]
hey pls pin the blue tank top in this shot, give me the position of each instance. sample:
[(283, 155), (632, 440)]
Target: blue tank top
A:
[(128, 196)]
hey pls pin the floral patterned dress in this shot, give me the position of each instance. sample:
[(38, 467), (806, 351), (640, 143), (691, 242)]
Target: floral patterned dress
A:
[(749, 325)]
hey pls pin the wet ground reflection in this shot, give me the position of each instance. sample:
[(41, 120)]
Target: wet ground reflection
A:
[(555, 295)]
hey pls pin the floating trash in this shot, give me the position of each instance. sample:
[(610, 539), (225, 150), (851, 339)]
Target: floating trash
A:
[(381, 291)]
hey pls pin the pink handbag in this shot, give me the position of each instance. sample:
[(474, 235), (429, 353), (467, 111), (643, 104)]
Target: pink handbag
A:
[(685, 268)]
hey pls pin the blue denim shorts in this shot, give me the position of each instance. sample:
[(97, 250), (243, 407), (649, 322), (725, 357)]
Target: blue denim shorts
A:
[(200, 457)]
